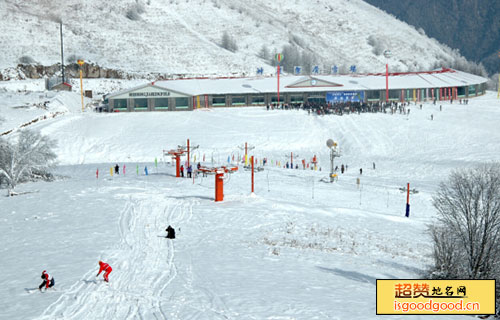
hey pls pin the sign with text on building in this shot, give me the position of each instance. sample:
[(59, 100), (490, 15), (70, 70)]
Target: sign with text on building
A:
[(149, 92), (344, 96), (473, 297)]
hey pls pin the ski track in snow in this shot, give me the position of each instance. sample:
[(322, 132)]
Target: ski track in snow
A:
[(143, 266)]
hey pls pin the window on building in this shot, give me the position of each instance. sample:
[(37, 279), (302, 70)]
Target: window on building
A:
[(258, 100), (482, 88), (297, 99), (394, 94), (161, 103), (140, 104), (120, 104), (472, 90), (219, 101), (316, 99), (181, 103), (275, 99), (461, 91), (238, 101), (373, 95)]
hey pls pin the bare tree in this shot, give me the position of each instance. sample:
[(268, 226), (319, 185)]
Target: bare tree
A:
[(378, 45), (228, 42), (446, 253), (135, 11), (264, 53), (19, 160), (468, 206), (467, 236)]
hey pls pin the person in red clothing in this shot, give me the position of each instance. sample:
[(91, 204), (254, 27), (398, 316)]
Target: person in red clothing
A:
[(48, 281), (103, 266)]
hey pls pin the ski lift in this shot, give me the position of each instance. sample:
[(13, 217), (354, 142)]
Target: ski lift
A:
[(221, 174)]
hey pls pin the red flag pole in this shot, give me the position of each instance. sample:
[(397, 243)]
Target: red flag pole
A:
[(188, 154), (387, 82), (278, 84), (252, 175)]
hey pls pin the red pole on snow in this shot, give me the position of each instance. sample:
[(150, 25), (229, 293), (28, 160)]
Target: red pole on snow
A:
[(219, 186), (252, 175), (177, 165), (386, 82), (278, 84)]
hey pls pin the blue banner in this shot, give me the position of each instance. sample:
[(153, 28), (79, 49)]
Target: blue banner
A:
[(343, 96)]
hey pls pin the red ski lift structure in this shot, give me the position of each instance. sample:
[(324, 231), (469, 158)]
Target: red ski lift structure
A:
[(177, 153), (219, 178)]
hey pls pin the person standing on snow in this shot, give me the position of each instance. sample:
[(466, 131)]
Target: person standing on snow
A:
[(103, 266), (182, 170), (48, 281), (170, 232), (117, 169)]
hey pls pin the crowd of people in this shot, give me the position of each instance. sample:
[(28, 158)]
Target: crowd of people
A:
[(340, 108), (348, 107)]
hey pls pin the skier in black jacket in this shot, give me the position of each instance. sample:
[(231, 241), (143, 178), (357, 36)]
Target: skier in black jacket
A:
[(170, 232)]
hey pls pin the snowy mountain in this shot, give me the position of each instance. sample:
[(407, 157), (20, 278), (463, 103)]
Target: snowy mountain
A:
[(185, 37)]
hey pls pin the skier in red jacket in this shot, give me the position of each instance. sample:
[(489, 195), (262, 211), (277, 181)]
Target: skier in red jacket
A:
[(103, 266), (48, 281)]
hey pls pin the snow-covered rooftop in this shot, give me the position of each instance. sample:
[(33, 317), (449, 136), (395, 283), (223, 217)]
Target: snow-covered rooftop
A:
[(289, 83)]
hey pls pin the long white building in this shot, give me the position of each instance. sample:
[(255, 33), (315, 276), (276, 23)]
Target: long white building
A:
[(189, 94)]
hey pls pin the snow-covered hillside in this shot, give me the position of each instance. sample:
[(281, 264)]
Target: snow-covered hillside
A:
[(184, 36), (298, 248)]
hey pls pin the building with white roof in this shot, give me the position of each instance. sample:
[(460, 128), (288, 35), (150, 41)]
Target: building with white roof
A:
[(189, 94)]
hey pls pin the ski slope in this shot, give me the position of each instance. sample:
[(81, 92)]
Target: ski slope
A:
[(296, 249)]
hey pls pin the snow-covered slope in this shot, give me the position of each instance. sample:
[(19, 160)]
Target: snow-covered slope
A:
[(296, 249), (183, 36)]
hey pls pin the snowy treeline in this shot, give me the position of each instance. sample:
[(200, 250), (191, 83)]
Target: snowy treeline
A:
[(294, 55), (467, 237), (218, 37), (228, 42), (27, 157)]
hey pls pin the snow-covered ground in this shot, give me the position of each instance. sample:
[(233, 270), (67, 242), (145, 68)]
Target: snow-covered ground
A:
[(298, 248)]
